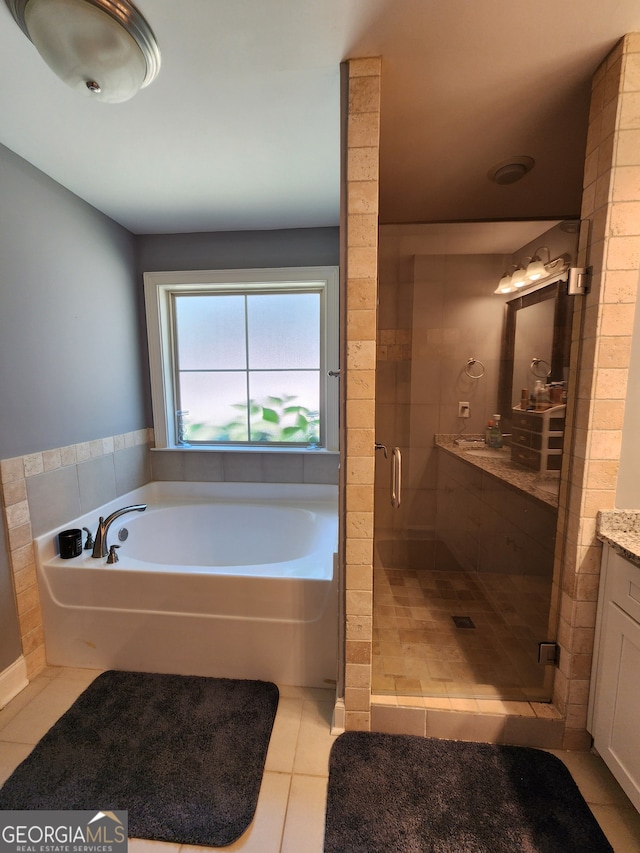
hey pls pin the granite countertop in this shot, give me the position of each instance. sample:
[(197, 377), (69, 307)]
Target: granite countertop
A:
[(498, 463), (620, 528)]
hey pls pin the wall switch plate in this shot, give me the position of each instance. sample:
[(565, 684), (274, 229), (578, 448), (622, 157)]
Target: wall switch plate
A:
[(464, 410)]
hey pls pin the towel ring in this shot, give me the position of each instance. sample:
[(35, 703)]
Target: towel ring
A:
[(537, 370), (478, 372)]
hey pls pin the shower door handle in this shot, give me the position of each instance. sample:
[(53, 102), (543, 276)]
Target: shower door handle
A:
[(396, 477)]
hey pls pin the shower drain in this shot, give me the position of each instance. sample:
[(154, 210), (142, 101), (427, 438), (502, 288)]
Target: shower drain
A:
[(463, 621)]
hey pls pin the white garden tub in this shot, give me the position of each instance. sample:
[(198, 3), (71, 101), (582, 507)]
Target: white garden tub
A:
[(223, 579)]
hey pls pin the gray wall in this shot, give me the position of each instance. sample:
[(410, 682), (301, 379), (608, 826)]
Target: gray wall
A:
[(70, 318), (239, 250), (70, 332)]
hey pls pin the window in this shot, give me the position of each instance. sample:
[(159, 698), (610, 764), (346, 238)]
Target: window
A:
[(241, 357)]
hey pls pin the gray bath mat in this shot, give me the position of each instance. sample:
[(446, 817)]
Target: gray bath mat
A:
[(410, 794), (184, 755)]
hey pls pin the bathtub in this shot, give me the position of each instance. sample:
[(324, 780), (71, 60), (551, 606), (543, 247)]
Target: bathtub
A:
[(232, 580)]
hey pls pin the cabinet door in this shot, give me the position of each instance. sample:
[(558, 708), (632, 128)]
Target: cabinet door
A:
[(616, 732)]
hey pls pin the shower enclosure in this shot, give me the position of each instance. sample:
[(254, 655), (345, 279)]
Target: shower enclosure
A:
[(463, 559)]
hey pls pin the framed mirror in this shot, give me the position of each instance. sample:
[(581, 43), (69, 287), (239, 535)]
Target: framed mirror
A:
[(536, 344)]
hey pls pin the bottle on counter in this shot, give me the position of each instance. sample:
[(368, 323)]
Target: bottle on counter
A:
[(487, 432), (541, 395), (495, 433), (556, 392), (524, 399)]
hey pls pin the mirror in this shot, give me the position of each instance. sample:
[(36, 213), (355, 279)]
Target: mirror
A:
[(536, 342)]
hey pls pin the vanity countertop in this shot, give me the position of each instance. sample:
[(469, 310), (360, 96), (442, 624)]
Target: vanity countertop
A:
[(498, 463), (620, 528)]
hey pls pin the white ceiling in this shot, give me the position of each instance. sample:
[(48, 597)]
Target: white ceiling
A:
[(241, 128)]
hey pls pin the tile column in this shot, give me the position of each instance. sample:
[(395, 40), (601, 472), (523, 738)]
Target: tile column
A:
[(603, 326), (361, 226)]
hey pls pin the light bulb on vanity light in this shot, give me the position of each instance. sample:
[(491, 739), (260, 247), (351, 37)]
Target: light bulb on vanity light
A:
[(505, 284), (519, 277), (536, 269)]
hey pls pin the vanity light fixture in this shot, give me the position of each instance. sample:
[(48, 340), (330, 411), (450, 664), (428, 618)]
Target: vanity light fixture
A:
[(527, 274), (102, 48)]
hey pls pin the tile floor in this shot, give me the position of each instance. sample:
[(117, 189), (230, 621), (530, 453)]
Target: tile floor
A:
[(418, 650), (290, 813)]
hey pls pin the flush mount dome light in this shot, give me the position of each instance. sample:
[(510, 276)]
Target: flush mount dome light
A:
[(511, 170), (102, 48)]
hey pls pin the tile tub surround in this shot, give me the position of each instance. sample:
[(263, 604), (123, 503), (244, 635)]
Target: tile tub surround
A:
[(42, 490), (620, 528), (249, 465), (500, 466)]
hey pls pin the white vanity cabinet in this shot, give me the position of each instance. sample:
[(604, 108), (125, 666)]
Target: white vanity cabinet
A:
[(614, 707)]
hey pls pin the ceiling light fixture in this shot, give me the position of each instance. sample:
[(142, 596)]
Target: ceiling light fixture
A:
[(102, 48)]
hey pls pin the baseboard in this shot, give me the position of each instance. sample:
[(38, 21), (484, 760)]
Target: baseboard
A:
[(13, 679), (339, 717)]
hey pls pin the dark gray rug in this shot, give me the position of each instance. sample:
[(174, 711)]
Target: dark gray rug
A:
[(405, 794), (183, 754)]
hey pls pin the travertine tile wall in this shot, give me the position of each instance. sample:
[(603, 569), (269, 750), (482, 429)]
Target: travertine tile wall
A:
[(602, 331), (603, 327), (25, 518), (393, 383), (362, 142)]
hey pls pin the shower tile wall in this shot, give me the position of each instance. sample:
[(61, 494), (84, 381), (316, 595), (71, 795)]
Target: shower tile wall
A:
[(435, 312), (393, 385)]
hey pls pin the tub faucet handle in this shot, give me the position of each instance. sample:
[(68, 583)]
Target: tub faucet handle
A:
[(89, 541), (113, 557)]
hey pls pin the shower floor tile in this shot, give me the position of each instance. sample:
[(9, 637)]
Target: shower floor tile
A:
[(419, 651)]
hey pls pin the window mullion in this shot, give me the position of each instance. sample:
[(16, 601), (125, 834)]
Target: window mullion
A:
[(246, 356)]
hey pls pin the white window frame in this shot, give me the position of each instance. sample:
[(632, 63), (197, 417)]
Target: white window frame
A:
[(158, 290)]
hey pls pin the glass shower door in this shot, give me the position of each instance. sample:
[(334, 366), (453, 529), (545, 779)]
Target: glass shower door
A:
[(463, 565)]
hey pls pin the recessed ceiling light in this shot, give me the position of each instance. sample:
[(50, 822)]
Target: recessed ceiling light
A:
[(511, 170)]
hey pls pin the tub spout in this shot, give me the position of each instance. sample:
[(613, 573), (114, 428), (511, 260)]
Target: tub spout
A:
[(100, 545)]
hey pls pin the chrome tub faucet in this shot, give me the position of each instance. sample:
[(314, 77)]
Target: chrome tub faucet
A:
[(100, 545)]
